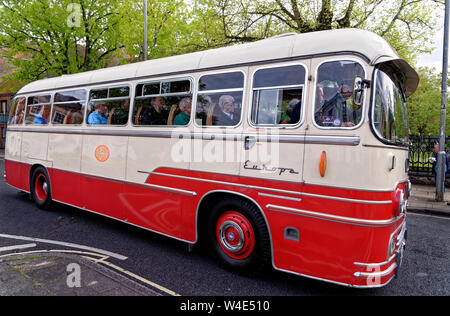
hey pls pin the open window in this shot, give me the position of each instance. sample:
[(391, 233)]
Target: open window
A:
[(219, 101), (278, 95), (68, 107), (38, 110), (109, 106), (163, 103)]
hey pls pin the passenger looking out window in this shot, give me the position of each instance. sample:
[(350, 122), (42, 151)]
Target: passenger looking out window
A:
[(156, 114), (98, 117), (38, 110), (43, 117), (120, 115), (227, 115), (185, 116), (293, 112)]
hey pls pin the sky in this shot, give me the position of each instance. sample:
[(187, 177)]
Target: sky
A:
[(435, 59)]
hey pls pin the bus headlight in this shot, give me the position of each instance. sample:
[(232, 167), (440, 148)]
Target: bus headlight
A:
[(408, 189), (400, 202), (391, 247)]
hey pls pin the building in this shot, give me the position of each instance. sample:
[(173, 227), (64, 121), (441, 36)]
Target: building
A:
[(7, 86), (5, 103)]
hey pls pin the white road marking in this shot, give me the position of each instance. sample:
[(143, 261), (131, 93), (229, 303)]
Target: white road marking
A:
[(65, 244), (9, 248), (131, 274), (101, 260)]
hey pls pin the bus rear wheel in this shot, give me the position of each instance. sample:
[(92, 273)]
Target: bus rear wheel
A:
[(40, 188), (238, 236)]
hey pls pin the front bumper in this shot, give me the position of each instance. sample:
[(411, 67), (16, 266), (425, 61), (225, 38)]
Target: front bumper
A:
[(380, 274)]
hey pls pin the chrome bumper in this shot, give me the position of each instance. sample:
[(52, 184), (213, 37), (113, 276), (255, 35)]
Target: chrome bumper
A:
[(375, 271)]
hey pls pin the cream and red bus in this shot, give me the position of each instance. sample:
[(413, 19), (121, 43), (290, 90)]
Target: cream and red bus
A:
[(288, 152)]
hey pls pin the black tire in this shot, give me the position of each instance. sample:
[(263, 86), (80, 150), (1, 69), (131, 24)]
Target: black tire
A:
[(229, 220), (40, 188)]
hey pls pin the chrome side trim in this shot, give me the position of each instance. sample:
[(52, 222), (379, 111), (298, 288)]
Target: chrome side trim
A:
[(336, 198), (280, 197), (153, 186), (149, 185), (178, 133), (335, 282), (377, 274), (372, 265), (223, 182), (169, 189), (333, 218)]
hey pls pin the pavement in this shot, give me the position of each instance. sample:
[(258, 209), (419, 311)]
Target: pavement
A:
[(60, 274), (422, 200), (44, 273)]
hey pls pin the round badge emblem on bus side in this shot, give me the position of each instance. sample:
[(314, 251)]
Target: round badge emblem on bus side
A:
[(102, 153)]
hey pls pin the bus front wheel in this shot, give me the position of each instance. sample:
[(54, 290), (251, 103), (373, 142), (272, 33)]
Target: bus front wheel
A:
[(238, 236), (40, 188)]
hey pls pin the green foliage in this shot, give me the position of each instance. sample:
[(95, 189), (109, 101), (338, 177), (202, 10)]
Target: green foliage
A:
[(167, 27), (424, 105), (408, 25), (55, 37)]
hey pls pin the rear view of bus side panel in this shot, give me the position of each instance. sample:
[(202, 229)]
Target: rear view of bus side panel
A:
[(65, 153), (16, 172)]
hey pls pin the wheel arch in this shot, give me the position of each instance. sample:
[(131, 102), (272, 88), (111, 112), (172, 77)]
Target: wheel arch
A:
[(209, 197), (32, 169)]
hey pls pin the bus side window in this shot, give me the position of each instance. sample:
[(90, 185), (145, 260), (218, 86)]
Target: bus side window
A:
[(220, 108), (68, 107), (38, 110), (278, 95), (334, 106), (17, 111), (163, 103), (109, 106)]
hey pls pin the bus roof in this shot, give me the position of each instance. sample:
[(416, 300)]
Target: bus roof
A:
[(289, 46)]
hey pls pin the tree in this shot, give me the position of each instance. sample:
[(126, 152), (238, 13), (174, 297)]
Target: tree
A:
[(407, 24), (167, 28), (56, 37), (424, 105)]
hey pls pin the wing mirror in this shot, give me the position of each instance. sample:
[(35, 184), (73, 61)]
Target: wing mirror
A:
[(358, 91), (359, 85)]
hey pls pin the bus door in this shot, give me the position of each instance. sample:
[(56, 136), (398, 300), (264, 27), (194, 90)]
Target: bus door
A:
[(273, 140), (274, 149)]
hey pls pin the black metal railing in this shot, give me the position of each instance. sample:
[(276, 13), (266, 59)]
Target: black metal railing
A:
[(420, 150), (3, 119)]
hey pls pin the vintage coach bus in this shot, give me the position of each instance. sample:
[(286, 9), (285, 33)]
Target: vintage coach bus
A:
[(289, 152)]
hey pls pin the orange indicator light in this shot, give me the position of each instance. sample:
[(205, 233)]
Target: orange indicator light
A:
[(323, 163)]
